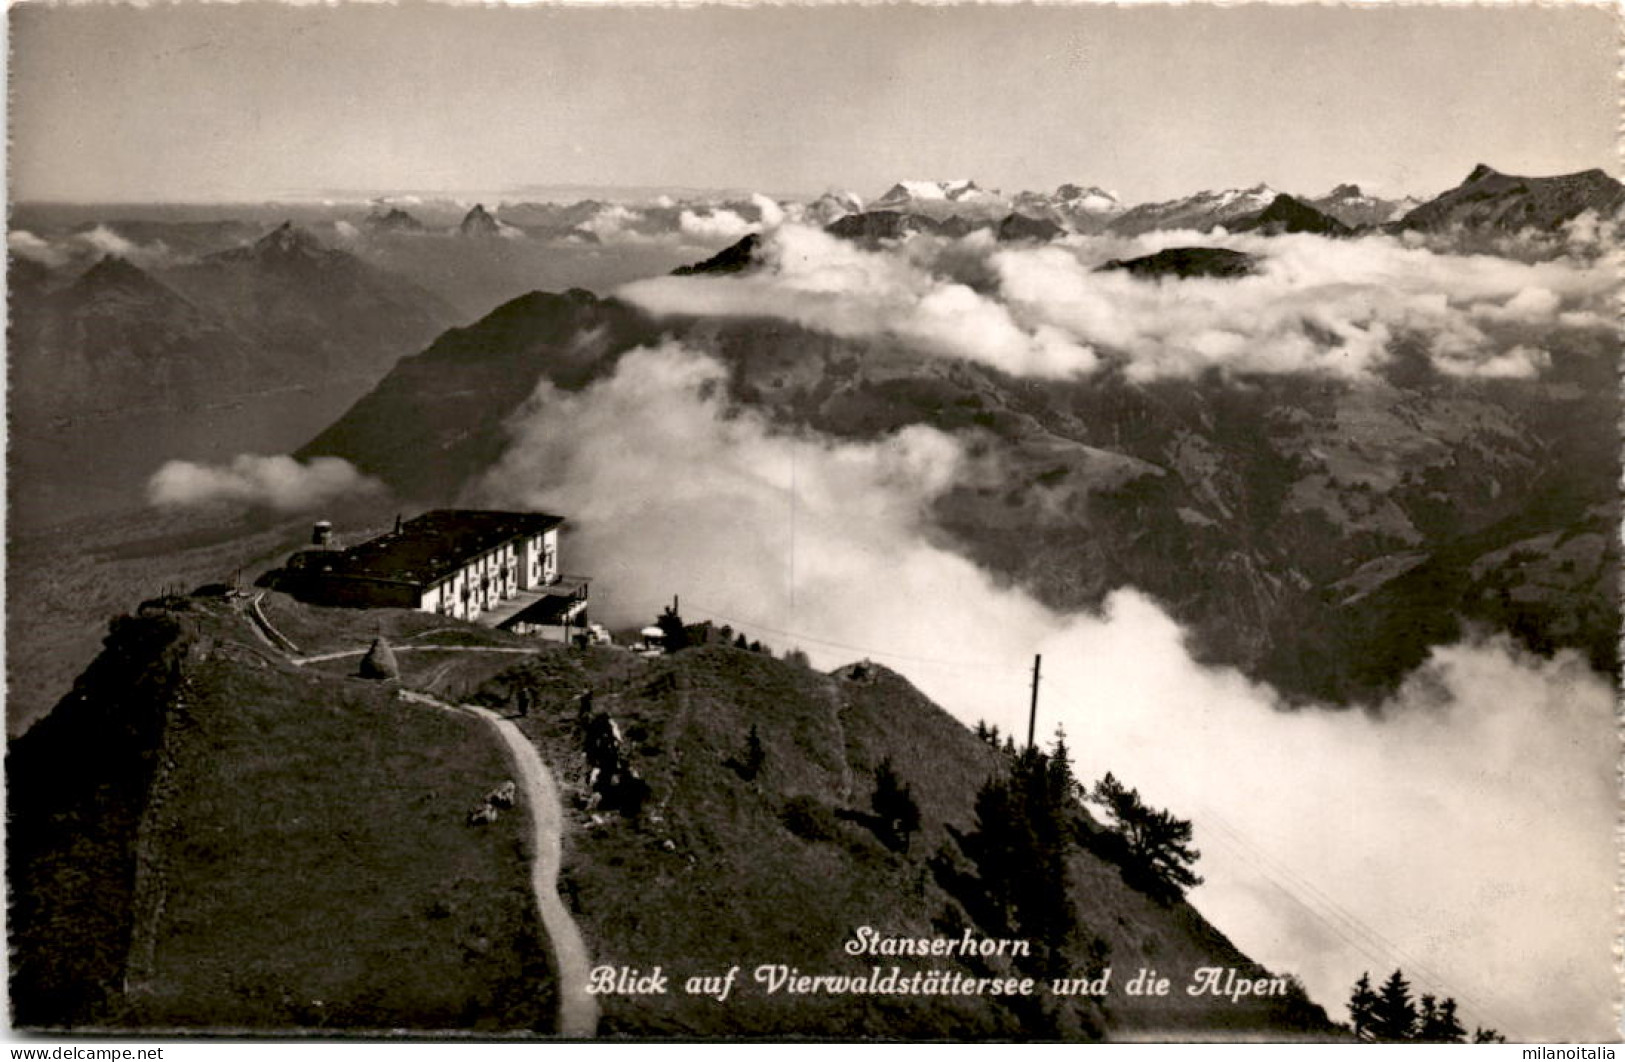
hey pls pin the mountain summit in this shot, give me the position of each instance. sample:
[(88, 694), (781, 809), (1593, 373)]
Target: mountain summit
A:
[(393, 220), (941, 200), (906, 192), (478, 222), (116, 274), (286, 241), (1200, 212), (1287, 214), (1489, 199), (1350, 204)]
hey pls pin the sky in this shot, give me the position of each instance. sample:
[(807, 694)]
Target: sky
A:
[(196, 102)]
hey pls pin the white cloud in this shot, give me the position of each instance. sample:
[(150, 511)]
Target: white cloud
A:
[(1520, 363), (1464, 832), (279, 482), (1331, 307), (102, 240), (616, 223), (88, 246), (715, 226), (770, 211), (832, 285), (25, 244)]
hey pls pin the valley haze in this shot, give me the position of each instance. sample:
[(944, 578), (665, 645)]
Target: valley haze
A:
[(1253, 368)]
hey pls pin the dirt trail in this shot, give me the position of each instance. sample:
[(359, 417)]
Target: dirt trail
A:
[(578, 1011), (341, 654)]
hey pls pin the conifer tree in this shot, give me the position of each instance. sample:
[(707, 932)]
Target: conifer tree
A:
[(1063, 786), (755, 754), (1394, 1016), (1158, 845), (1451, 1030), (895, 807), (1362, 1007), (1020, 849), (1427, 1019), (673, 631)]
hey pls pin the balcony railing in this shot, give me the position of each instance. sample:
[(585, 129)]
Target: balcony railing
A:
[(575, 586)]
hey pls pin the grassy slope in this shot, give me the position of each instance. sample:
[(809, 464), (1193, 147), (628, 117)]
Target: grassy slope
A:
[(303, 856), (714, 877), (305, 862)]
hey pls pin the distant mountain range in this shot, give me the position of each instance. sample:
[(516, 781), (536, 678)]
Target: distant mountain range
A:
[(205, 324), (1355, 209), (941, 199), (283, 331), (1486, 200)]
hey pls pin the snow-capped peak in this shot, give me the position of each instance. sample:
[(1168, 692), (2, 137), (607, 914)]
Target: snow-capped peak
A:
[(933, 191), (1258, 193), (1092, 200)]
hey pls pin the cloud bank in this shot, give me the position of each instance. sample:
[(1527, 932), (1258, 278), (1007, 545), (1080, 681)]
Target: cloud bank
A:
[(87, 247), (1464, 832), (1327, 307), (278, 482)]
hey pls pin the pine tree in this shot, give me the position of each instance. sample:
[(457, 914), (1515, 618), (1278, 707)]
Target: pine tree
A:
[(895, 807), (755, 754), (1394, 1016), (1063, 786), (674, 633), (1362, 1007), (1158, 845), (1450, 1027), (1427, 1019), (1020, 848)]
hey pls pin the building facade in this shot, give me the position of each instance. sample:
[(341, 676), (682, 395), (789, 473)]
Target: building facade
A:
[(485, 566)]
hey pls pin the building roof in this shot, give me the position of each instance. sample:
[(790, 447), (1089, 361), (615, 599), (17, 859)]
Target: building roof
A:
[(549, 611), (430, 547)]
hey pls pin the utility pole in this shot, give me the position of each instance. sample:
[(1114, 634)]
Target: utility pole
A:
[(1032, 716)]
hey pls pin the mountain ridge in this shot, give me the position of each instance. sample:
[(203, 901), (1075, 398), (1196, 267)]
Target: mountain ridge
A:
[(1489, 199), (1280, 507), (352, 835)]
